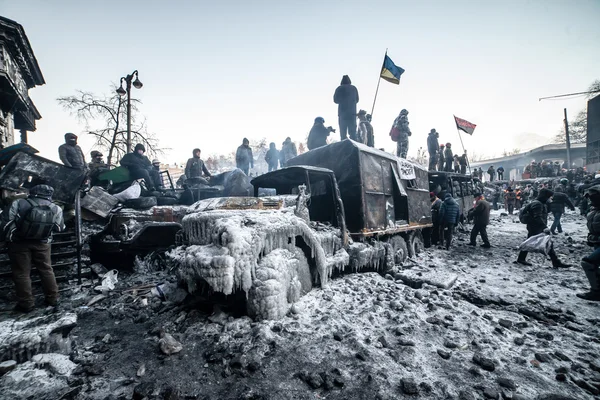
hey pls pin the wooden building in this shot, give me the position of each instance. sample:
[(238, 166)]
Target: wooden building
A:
[(19, 72)]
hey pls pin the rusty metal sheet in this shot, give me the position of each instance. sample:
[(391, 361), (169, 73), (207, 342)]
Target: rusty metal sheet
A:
[(24, 171)]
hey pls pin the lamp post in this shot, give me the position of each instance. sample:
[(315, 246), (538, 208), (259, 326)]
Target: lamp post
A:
[(122, 92)]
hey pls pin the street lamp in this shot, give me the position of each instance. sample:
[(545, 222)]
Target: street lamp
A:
[(122, 92)]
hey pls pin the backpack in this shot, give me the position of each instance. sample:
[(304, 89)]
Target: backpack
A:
[(36, 223), (525, 214)]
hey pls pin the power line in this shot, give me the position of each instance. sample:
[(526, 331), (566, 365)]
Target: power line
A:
[(570, 94)]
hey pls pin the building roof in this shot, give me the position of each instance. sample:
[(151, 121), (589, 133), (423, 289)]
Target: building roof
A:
[(14, 37), (514, 157)]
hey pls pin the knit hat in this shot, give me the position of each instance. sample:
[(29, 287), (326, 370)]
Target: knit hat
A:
[(70, 135), (140, 146), (431, 195), (156, 161), (96, 153), (42, 191)]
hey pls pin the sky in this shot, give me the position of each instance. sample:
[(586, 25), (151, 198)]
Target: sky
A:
[(215, 72)]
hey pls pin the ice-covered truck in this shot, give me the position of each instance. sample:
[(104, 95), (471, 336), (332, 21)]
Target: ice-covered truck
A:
[(341, 207)]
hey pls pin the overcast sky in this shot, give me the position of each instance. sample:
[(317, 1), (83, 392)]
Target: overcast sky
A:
[(215, 72)]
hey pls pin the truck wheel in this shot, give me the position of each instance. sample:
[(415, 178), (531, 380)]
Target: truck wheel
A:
[(141, 203), (415, 244), (398, 250)]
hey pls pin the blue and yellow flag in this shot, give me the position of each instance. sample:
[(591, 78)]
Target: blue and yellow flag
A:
[(390, 71)]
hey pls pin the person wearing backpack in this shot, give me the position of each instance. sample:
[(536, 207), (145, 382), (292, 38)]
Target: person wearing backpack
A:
[(535, 215), (27, 226)]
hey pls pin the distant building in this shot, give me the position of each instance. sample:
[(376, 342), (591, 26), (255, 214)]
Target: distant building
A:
[(19, 72)]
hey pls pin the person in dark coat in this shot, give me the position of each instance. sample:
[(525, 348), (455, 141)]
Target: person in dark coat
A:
[(462, 160), (449, 157), (288, 151), (70, 153), (441, 158), (433, 147), (496, 198), (317, 137), (491, 172), (346, 97), (510, 199), (140, 167), (449, 217), (195, 167), (591, 263), (500, 172), (456, 164), (481, 219), (272, 157), (28, 234), (401, 124), (243, 156), (537, 212), (370, 131), (96, 167), (436, 231), (557, 208)]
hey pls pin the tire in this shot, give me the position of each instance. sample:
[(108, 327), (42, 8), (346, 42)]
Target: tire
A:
[(166, 201), (141, 203), (415, 244), (397, 252)]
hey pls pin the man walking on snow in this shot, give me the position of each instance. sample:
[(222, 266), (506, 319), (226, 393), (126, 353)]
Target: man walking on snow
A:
[(481, 219)]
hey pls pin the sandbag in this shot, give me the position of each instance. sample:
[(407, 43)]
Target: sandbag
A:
[(141, 203), (541, 243), (132, 192)]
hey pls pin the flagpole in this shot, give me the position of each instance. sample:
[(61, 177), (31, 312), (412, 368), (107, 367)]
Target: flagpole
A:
[(377, 90)]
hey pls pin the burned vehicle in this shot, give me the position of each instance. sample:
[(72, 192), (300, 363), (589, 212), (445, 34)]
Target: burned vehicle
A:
[(461, 187), (341, 207)]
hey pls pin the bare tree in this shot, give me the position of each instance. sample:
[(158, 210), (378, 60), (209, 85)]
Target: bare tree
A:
[(506, 153), (578, 126), (105, 118)]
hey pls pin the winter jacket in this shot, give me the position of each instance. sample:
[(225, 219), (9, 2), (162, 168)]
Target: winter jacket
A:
[(449, 211), (510, 198), (17, 210), (346, 97), (401, 123), (136, 161), (559, 201), (362, 132), (491, 171), (370, 134), (539, 217), (195, 167), (500, 170), (288, 151), (448, 155), (593, 225), (435, 211), (71, 155), (272, 157), (96, 168), (317, 136), (243, 157), (481, 213), (432, 144), (463, 160)]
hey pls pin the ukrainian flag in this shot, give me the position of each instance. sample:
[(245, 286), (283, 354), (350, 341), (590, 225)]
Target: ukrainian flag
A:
[(390, 71)]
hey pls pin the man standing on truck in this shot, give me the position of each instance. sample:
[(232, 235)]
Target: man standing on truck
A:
[(449, 217), (272, 157), (346, 97), (441, 158), (140, 167), (535, 215), (401, 124), (243, 156), (27, 228), (195, 167), (432, 148), (70, 153), (481, 219), (463, 163), (491, 172), (449, 157), (288, 151), (500, 172), (317, 137)]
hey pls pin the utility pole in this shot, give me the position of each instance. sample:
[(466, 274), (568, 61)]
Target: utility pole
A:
[(568, 141)]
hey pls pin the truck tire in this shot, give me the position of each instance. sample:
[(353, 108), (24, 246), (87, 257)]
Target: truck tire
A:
[(415, 244), (166, 201), (397, 252), (141, 203)]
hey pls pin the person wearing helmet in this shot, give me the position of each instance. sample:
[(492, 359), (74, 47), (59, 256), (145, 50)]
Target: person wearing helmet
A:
[(272, 157), (96, 167), (140, 167), (317, 137), (27, 228), (591, 262), (346, 97), (403, 132), (70, 153)]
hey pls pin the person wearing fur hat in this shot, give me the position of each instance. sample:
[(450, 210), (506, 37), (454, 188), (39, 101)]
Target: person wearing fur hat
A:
[(27, 228), (70, 153), (139, 167)]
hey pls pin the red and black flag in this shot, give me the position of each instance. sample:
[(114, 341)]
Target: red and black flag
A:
[(464, 125)]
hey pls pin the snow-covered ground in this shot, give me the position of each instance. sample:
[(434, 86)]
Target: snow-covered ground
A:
[(500, 331)]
